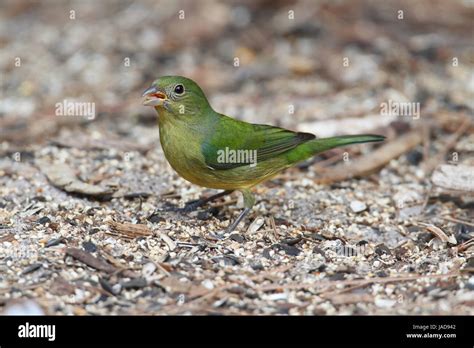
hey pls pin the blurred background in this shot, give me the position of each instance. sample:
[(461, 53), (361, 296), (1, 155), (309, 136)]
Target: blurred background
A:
[(93, 186), (328, 59)]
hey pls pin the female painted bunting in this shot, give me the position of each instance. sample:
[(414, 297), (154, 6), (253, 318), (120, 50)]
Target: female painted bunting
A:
[(216, 151)]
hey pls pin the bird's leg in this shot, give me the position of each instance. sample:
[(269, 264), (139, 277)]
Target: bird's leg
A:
[(249, 201), (234, 224), (193, 205)]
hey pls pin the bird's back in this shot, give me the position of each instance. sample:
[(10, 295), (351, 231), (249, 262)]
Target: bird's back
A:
[(225, 153)]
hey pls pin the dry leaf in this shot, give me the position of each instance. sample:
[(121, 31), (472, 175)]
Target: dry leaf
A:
[(62, 176)]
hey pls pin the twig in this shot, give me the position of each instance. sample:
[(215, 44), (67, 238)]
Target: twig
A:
[(129, 230), (464, 246), (433, 162), (448, 218), (372, 162), (161, 268), (438, 232), (272, 223), (426, 141)]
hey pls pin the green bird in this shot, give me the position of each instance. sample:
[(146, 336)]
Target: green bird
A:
[(216, 151)]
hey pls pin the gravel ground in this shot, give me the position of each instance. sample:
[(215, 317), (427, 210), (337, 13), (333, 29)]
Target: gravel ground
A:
[(85, 224)]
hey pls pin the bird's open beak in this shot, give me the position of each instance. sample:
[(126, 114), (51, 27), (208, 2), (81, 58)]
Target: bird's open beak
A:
[(153, 97)]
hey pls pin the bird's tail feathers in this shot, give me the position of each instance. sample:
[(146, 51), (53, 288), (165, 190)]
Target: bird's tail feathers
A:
[(323, 144)]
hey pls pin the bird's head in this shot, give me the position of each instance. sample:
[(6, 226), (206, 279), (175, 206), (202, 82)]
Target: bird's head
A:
[(176, 94)]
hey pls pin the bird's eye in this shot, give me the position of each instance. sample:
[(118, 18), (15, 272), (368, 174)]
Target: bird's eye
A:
[(179, 89)]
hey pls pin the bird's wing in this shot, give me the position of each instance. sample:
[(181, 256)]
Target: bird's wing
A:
[(263, 141)]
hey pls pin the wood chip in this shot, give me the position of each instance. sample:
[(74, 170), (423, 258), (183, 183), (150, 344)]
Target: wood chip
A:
[(128, 230), (90, 260), (7, 238)]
